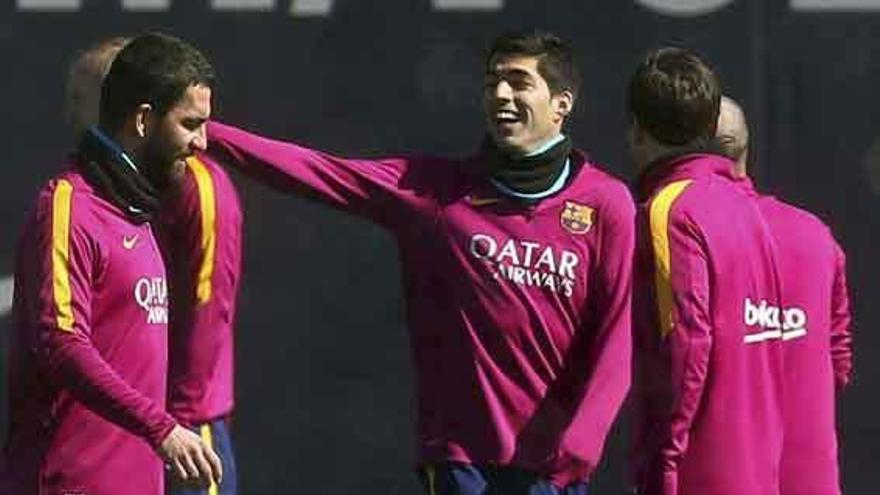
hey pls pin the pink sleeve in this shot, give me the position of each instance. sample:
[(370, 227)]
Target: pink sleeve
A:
[(68, 261), (606, 365), (841, 336), (371, 188), (683, 354), (185, 249), (206, 221)]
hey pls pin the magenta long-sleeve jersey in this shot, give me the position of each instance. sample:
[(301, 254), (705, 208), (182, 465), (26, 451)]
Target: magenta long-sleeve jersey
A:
[(709, 340), (200, 230), (519, 315), (88, 351), (817, 344)]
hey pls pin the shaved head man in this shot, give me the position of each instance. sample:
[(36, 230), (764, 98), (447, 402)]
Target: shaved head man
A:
[(815, 327), (83, 88), (733, 131)]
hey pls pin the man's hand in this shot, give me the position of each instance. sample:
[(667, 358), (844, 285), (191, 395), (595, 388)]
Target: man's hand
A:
[(189, 458)]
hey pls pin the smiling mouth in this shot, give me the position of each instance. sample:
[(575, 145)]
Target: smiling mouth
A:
[(506, 122), (507, 117)]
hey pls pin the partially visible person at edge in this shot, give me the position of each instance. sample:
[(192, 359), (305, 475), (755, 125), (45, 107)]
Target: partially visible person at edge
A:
[(708, 380), (88, 354), (199, 231), (815, 326), (517, 275), (82, 92)]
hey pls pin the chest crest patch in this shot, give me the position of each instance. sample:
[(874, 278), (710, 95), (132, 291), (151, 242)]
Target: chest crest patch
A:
[(577, 218)]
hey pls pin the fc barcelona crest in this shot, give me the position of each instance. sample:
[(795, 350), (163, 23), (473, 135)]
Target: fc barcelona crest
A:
[(576, 218)]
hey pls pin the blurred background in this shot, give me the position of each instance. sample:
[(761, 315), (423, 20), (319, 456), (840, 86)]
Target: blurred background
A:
[(324, 384)]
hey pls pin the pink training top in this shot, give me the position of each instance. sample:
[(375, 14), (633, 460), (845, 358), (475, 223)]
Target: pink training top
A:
[(519, 314), (817, 344), (200, 230), (87, 355), (710, 370)]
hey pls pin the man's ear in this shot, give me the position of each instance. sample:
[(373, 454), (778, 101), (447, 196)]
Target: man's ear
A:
[(143, 119), (564, 104)]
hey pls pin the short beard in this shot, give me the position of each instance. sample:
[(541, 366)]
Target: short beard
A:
[(158, 166)]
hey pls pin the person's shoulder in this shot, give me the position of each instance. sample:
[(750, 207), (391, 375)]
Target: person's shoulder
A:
[(65, 188), (203, 166), (203, 170), (598, 179), (206, 162), (677, 196), (793, 215), (789, 209), (65, 203)]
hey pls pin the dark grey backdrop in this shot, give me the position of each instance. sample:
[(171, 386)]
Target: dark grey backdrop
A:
[(324, 385)]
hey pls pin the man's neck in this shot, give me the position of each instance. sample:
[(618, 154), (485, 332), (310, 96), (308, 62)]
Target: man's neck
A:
[(545, 145), (537, 149), (651, 153), (121, 144)]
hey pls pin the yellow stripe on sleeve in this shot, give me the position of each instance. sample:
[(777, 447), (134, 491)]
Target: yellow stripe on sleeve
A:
[(208, 208), (208, 440), (659, 216), (61, 200)]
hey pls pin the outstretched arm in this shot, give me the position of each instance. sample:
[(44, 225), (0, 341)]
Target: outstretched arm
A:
[(370, 188)]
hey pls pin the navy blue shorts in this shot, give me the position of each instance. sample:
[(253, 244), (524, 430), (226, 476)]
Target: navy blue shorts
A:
[(217, 433), (454, 478)]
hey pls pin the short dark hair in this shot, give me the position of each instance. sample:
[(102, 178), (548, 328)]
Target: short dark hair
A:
[(154, 68), (556, 62), (675, 97)]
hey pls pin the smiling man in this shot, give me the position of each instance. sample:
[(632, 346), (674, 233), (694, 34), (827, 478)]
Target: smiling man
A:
[(88, 354), (516, 266)]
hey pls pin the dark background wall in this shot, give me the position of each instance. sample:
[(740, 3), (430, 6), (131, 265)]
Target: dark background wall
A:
[(324, 384)]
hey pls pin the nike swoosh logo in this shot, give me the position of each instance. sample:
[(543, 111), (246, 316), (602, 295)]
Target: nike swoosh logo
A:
[(129, 242), (482, 201)]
